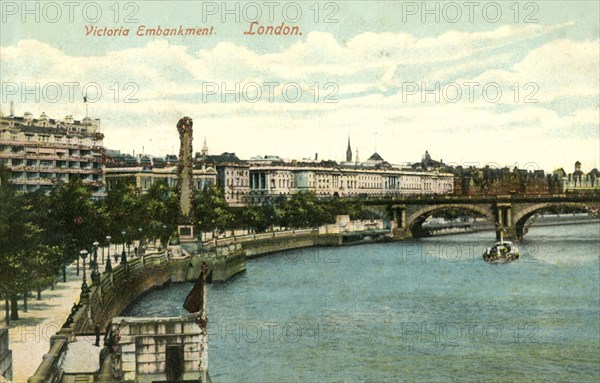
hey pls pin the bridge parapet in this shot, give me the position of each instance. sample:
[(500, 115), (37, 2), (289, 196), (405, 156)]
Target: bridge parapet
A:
[(508, 213)]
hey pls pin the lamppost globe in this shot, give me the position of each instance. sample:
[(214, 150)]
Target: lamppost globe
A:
[(83, 254)]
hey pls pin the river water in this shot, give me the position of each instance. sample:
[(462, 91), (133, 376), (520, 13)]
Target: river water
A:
[(428, 310)]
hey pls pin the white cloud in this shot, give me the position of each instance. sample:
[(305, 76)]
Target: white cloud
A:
[(368, 69)]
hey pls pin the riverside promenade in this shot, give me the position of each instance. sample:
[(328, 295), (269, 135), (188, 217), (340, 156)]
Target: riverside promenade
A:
[(29, 336)]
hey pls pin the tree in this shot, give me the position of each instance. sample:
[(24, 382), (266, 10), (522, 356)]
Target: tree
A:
[(73, 219), (26, 261), (255, 217), (46, 263), (211, 210), (125, 212), (159, 208), (304, 210)]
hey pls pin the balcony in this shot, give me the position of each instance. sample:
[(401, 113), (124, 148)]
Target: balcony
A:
[(34, 181)]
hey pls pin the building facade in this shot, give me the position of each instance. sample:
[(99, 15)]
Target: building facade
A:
[(143, 171), (233, 175), (375, 177), (42, 152), (578, 181)]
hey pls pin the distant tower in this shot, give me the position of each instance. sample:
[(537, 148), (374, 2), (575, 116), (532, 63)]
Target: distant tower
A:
[(357, 159), (577, 165), (349, 152), (204, 148)]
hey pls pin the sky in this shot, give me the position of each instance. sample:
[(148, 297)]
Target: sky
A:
[(500, 83)]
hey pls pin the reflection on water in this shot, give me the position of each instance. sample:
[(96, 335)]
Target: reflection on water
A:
[(414, 311)]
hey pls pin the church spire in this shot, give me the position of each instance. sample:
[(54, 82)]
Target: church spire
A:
[(349, 152), (205, 148)]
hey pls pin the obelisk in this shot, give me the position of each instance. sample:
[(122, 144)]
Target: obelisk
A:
[(185, 181)]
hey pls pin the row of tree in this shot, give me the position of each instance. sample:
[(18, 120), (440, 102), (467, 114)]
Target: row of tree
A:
[(42, 233)]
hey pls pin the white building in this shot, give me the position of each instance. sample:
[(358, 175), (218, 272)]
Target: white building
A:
[(42, 152), (374, 177)]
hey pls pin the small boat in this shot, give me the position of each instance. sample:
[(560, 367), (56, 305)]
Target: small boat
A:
[(502, 252)]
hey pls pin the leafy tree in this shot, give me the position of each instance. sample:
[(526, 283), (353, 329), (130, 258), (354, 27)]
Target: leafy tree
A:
[(26, 261), (125, 212), (304, 210), (45, 262), (337, 206), (73, 220), (211, 210), (255, 217), (159, 211)]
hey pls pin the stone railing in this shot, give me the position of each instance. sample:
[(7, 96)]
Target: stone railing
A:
[(5, 355), (349, 227), (259, 237)]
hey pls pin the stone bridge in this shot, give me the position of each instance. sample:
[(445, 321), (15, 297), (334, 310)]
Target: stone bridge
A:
[(508, 213)]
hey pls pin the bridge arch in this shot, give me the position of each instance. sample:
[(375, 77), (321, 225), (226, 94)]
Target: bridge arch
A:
[(521, 217), (416, 219)]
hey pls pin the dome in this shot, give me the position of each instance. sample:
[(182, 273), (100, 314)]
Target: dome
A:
[(375, 158)]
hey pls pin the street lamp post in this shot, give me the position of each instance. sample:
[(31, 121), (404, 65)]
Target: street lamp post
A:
[(95, 273), (108, 238), (141, 245), (83, 254), (123, 254), (95, 255), (123, 237), (108, 267)]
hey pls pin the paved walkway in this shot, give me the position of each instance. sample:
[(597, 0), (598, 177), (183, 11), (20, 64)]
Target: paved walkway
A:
[(29, 337)]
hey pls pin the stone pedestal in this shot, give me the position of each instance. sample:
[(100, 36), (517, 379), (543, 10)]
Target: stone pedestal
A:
[(186, 233)]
